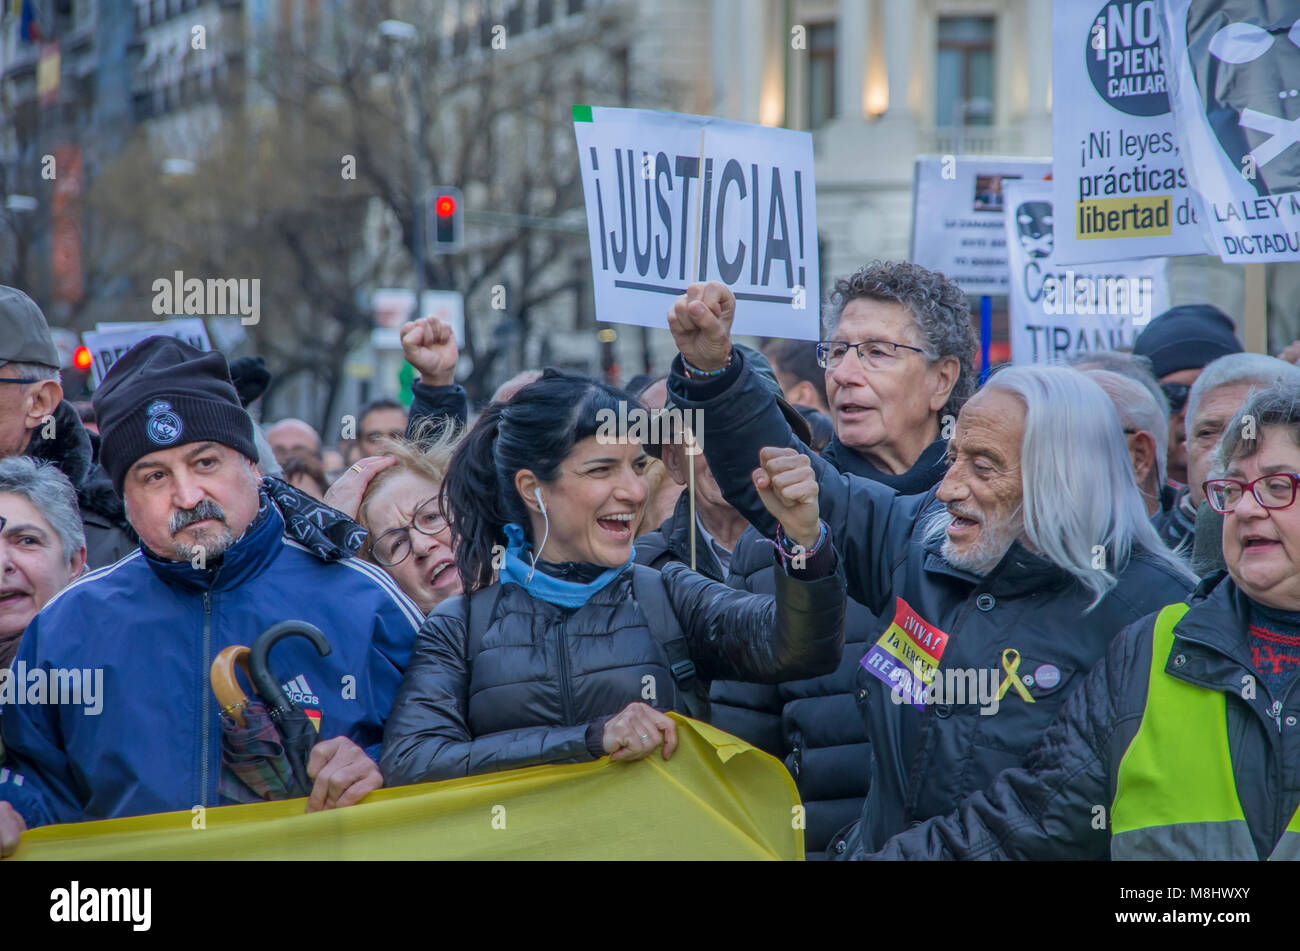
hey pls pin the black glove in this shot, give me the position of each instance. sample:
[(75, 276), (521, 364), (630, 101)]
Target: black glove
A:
[(251, 377)]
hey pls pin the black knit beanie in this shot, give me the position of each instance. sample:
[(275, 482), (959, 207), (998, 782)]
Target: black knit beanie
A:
[(164, 393), (1186, 337)]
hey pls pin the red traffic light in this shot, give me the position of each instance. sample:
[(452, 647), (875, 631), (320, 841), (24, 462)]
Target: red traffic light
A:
[(445, 206), (81, 358)]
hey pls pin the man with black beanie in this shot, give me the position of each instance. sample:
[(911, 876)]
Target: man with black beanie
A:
[(1180, 343), (223, 556)]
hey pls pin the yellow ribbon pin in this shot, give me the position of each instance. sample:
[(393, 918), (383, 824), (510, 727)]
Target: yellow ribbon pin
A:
[(1011, 663)]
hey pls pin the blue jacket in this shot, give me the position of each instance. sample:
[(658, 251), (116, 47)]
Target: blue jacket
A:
[(154, 627)]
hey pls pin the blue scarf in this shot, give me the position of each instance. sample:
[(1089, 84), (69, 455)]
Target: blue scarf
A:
[(565, 594)]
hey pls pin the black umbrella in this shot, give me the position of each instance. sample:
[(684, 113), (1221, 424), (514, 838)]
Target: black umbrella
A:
[(265, 745)]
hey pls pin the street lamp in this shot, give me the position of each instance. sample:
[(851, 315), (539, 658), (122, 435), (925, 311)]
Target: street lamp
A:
[(405, 37), (398, 30)]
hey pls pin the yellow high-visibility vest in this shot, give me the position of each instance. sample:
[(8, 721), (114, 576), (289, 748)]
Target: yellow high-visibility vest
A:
[(1175, 795)]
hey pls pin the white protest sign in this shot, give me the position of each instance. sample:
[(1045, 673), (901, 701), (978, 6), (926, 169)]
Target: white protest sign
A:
[(1118, 172), (1057, 311), (675, 199), (394, 307), (957, 217), (1234, 72), (109, 341)]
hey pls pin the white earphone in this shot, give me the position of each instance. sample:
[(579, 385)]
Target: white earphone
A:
[(546, 533)]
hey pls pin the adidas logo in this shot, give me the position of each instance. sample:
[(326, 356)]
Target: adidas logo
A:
[(300, 693)]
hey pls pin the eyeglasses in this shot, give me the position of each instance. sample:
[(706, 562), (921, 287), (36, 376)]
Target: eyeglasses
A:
[(1274, 491), (18, 379), (872, 354), (392, 547), (1176, 393)]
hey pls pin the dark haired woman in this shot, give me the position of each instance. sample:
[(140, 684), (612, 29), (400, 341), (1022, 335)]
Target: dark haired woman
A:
[(575, 653)]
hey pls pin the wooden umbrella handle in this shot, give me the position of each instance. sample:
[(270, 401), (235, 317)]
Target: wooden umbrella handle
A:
[(229, 694)]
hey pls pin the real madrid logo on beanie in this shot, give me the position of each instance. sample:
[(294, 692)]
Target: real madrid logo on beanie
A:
[(164, 393), (164, 425)]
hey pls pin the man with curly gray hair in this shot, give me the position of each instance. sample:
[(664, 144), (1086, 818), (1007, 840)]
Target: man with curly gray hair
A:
[(898, 349)]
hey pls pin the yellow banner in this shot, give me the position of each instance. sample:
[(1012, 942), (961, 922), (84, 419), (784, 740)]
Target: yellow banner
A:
[(717, 798)]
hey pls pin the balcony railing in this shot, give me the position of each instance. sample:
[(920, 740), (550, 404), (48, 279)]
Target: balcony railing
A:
[(972, 140)]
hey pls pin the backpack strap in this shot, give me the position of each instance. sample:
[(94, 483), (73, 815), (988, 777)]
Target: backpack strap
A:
[(652, 597)]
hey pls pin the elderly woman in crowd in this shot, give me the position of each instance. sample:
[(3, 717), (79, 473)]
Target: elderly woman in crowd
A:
[(551, 662), (1187, 732), (42, 545), (395, 498), (899, 352)]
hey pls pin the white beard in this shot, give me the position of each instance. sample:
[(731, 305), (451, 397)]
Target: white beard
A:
[(989, 548)]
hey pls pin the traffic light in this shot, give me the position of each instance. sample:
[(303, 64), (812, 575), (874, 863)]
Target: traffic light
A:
[(76, 376), (446, 221)]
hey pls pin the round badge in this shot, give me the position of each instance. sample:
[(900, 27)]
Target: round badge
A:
[(164, 426), (1047, 675)]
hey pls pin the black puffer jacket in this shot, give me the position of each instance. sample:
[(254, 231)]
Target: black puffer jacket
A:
[(812, 724), (541, 674), (108, 536), (925, 761), (809, 724), (1046, 809)]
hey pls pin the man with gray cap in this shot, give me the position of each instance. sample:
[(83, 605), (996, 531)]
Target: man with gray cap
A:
[(36, 421)]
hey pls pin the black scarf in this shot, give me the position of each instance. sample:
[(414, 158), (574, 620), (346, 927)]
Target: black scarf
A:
[(329, 533), (926, 472)]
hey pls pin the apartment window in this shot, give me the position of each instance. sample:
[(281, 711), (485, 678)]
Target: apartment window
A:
[(821, 74), (964, 71), (545, 12)]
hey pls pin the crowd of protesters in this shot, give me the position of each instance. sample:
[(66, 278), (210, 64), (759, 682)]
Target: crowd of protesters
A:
[(1114, 540)]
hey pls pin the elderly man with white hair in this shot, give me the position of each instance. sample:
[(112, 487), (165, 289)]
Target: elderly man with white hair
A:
[(1146, 431), (1218, 393), (998, 589)]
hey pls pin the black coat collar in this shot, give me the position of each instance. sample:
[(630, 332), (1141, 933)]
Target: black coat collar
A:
[(927, 471), (1019, 572)]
